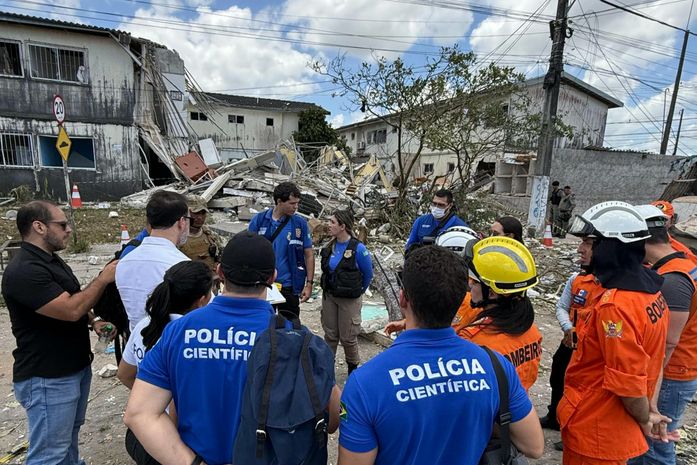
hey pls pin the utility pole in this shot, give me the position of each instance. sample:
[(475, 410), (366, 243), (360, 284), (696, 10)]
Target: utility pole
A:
[(678, 75), (674, 97), (677, 136), (552, 84)]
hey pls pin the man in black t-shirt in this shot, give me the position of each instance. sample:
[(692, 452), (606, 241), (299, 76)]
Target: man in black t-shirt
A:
[(50, 317)]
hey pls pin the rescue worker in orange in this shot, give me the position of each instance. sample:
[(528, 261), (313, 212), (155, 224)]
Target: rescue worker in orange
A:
[(669, 212), (580, 294), (679, 382), (501, 270), (605, 411), (455, 239)]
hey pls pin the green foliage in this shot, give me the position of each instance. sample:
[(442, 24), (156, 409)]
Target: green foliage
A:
[(314, 133)]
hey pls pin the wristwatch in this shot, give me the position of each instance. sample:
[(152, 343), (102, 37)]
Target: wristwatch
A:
[(197, 460)]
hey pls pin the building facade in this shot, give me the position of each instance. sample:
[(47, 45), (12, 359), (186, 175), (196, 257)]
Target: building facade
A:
[(243, 126), (98, 73), (581, 106)]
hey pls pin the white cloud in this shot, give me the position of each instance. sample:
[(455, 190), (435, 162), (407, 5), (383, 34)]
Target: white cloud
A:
[(223, 51), (337, 121), (382, 25)]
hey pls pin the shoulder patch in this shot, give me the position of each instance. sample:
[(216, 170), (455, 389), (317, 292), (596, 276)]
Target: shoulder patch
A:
[(612, 328), (343, 413)]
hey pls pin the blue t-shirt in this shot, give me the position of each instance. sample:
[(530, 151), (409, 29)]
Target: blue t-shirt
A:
[(130, 248), (201, 359), (363, 260), (426, 224), (431, 397), (286, 238)]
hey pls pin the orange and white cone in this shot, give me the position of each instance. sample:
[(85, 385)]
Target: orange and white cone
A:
[(125, 237), (75, 200), (547, 240)]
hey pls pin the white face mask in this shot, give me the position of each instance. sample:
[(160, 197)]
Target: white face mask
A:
[(437, 212)]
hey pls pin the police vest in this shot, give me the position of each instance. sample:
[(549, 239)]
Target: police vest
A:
[(682, 365), (346, 280), (199, 248)]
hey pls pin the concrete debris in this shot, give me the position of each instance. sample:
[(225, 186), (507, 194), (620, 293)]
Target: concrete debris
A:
[(108, 371), (11, 215), (113, 214)]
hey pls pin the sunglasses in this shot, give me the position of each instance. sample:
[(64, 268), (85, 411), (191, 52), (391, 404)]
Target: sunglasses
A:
[(62, 224)]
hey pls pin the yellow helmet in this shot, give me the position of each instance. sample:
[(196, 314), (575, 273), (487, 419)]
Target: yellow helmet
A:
[(504, 265)]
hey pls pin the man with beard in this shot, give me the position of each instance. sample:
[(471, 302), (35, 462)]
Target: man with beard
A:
[(142, 270), (616, 366), (50, 317)]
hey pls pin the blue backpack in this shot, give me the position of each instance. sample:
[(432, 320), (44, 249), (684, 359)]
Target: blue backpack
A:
[(290, 377)]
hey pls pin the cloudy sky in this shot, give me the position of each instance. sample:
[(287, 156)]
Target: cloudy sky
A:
[(263, 47)]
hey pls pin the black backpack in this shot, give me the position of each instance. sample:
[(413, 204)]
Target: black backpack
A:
[(290, 377), (110, 308)]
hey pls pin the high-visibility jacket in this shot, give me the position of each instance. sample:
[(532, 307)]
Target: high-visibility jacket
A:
[(523, 350), (680, 247), (682, 365), (619, 354)]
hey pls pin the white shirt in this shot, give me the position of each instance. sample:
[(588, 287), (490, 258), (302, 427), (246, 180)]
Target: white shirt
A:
[(135, 349), (139, 272)]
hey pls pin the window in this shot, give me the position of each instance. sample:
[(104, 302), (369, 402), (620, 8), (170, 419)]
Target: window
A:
[(10, 59), (15, 150), (269, 121), (81, 152), (377, 137), (451, 167), (353, 136), (235, 119), (198, 116), (176, 95), (59, 64), (428, 168)]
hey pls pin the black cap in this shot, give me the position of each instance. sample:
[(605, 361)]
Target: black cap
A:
[(248, 259)]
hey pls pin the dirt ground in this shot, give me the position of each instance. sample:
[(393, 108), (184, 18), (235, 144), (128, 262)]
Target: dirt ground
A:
[(102, 436)]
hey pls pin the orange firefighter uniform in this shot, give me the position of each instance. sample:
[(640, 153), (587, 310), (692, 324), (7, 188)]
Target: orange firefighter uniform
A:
[(585, 292), (619, 354), (522, 350), (680, 247), (465, 315), (682, 365)]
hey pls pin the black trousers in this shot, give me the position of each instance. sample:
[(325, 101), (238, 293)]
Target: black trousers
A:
[(560, 361), (291, 307), (136, 450)]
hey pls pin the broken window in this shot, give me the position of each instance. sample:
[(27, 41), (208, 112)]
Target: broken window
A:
[(59, 64), (428, 168), (10, 59), (81, 153), (15, 150), (235, 119), (198, 116), (269, 121)]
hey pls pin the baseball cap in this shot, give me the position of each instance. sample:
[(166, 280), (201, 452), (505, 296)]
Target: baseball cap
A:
[(248, 259), (665, 206), (196, 203)]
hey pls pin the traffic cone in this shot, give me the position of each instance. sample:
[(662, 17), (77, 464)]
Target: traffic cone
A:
[(75, 200), (125, 238), (547, 240)]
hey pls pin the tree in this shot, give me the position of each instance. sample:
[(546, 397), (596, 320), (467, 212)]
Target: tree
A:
[(314, 133), (444, 104)]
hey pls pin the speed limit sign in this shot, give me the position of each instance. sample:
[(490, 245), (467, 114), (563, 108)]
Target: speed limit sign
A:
[(59, 109)]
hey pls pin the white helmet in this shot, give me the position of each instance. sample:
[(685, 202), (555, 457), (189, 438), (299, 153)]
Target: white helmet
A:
[(456, 239), (612, 220), (654, 216)]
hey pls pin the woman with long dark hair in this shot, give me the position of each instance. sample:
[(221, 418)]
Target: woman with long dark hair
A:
[(508, 226), (501, 270), (185, 287), (346, 273)]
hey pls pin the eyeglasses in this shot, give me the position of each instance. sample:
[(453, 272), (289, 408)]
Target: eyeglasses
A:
[(62, 224)]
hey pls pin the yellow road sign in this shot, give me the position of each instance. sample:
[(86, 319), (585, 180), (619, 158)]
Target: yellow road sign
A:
[(63, 143)]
